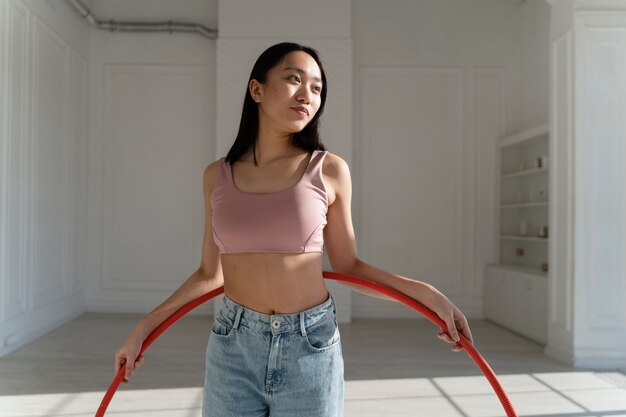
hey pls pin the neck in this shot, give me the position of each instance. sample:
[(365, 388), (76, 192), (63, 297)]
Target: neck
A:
[(272, 145)]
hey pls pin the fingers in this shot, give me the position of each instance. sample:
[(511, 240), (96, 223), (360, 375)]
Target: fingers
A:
[(454, 334), (118, 365), (466, 331), (119, 362), (454, 331), (131, 368), (464, 328), (128, 368), (446, 338), (460, 324), (455, 322)]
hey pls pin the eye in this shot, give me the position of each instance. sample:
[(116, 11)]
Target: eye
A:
[(294, 76), (318, 89)]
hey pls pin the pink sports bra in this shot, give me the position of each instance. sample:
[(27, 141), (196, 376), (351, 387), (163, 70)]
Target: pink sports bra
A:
[(287, 221)]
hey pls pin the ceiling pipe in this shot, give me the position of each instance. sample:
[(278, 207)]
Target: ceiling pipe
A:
[(114, 26)]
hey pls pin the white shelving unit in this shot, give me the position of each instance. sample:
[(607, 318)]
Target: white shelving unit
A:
[(516, 287)]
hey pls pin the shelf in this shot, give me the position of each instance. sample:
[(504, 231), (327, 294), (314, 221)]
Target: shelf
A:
[(526, 238), (532, 171), (522, 205), (516, 268), (515, 287), (527, 136)]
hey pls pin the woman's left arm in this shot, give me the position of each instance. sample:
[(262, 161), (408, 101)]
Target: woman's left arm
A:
[(423, 293), (340, 245)]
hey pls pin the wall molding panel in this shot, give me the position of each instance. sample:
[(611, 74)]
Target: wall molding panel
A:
[(50, 166), (560, 288), (40, 277), (429, 101), (600, 224), (15, 292), (490, 117), (151, 135), (166, 100), (79, 116)]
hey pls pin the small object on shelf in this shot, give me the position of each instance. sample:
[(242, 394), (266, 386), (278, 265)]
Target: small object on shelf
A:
[(523, 184), (544, 267), (523, 229)]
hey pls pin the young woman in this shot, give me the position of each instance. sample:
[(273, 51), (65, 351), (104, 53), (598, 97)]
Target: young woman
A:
[(271, 204)]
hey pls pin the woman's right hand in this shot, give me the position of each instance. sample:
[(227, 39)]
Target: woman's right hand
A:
[(126, 355)]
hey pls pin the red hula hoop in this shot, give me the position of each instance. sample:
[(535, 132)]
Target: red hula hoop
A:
[(397, 295)]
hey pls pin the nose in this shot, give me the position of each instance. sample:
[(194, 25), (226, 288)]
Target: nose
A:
[(304, 95)]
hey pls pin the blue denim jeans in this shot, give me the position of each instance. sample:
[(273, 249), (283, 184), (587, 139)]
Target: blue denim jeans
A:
[(279, 365)]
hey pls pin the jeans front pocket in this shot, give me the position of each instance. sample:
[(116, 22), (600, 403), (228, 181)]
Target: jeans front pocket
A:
[(323, 335), (222, 327)]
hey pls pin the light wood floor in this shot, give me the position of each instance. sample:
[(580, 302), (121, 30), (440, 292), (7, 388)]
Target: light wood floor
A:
[(392, 368)]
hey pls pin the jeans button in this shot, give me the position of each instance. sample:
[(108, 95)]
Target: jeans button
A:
[(275, 324)]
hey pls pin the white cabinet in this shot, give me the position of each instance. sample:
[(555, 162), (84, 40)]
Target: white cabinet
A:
[(518, 301), (516, 287)]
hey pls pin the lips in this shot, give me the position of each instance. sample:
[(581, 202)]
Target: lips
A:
[(301, 110)]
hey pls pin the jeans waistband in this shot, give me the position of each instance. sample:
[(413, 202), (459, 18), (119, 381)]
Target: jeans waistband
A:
[(237, 314)]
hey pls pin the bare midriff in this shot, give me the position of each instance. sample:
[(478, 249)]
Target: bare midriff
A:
[(274, 283)]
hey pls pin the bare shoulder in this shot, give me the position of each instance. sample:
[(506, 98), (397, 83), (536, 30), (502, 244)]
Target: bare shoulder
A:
[(210, 174), (334, 170), (333, 165)]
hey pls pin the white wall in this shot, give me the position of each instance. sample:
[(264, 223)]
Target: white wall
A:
[(114, 206), (104, 137), (43, 137), (436, 85), (152, 133), (534, 63)]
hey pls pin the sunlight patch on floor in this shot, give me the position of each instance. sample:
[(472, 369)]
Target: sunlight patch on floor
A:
[(577, 394)]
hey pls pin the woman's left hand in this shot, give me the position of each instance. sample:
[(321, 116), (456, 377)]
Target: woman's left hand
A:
[(452, 316)]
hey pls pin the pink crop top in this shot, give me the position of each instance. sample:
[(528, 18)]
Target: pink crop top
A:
[(287, 221)]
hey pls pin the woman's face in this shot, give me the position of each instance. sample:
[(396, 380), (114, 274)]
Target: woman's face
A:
[(291, 95)]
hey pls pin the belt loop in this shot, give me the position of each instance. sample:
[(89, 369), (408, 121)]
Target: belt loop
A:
[(302, 326), (237, 317)]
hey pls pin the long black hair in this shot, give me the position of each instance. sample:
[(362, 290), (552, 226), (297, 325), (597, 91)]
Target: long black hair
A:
[(308, 138)]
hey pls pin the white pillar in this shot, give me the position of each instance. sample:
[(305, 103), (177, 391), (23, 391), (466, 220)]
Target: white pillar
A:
[(246, 29), (587, 295)]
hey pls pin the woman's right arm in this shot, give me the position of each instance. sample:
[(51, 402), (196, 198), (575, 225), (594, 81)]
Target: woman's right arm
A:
[(206, 278)]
